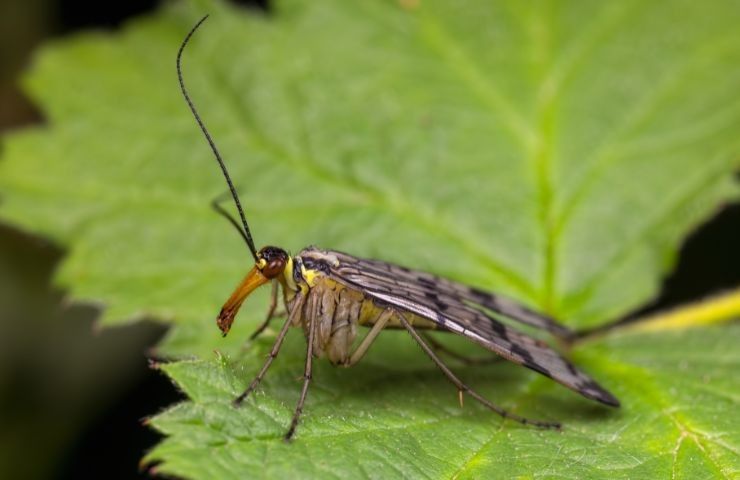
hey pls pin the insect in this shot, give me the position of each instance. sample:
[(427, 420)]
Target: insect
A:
[(329, 294)]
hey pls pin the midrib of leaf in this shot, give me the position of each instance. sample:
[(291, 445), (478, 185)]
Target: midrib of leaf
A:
[(537, 142)]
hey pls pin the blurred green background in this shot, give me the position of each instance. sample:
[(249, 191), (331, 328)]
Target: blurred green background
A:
[(72, 397)]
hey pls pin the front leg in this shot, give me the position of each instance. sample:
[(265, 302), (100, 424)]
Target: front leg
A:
[(295, 315), (270, 311)]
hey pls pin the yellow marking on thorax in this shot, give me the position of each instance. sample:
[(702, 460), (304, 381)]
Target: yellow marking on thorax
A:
[(310, 276), (288, 281)]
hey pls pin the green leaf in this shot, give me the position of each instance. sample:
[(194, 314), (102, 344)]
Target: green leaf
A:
[(557, 153), (386, 421)]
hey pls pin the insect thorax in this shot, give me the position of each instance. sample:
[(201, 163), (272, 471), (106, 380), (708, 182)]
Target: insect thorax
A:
[(338, 310), (337, 307)]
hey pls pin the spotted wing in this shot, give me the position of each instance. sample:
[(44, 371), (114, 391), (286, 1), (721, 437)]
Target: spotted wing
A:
[(452, 306)]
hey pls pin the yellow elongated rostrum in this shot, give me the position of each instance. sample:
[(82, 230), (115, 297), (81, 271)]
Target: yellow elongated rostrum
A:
[(252, 281)]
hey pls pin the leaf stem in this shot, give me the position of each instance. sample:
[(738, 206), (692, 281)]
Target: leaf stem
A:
[(715, 309)]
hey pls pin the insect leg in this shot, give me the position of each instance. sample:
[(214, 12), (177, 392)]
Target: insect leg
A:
[(307, 372), (369, 338), (297, 306), (470, 361), (270, 311), (462, 387)]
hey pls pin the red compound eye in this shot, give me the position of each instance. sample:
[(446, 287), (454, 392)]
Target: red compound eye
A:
[(274, 268)]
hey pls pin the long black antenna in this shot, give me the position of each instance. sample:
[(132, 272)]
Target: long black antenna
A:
[(247, 234)]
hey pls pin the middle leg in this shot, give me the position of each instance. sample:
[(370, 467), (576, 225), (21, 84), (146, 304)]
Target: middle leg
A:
[(274, 294), (466, 360)]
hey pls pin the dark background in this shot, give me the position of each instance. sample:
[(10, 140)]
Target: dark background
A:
[(72, 398)]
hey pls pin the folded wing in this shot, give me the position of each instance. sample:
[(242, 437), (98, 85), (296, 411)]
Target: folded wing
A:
[(456, 307)]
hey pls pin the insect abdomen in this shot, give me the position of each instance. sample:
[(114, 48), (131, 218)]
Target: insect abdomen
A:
[(337, 310)]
